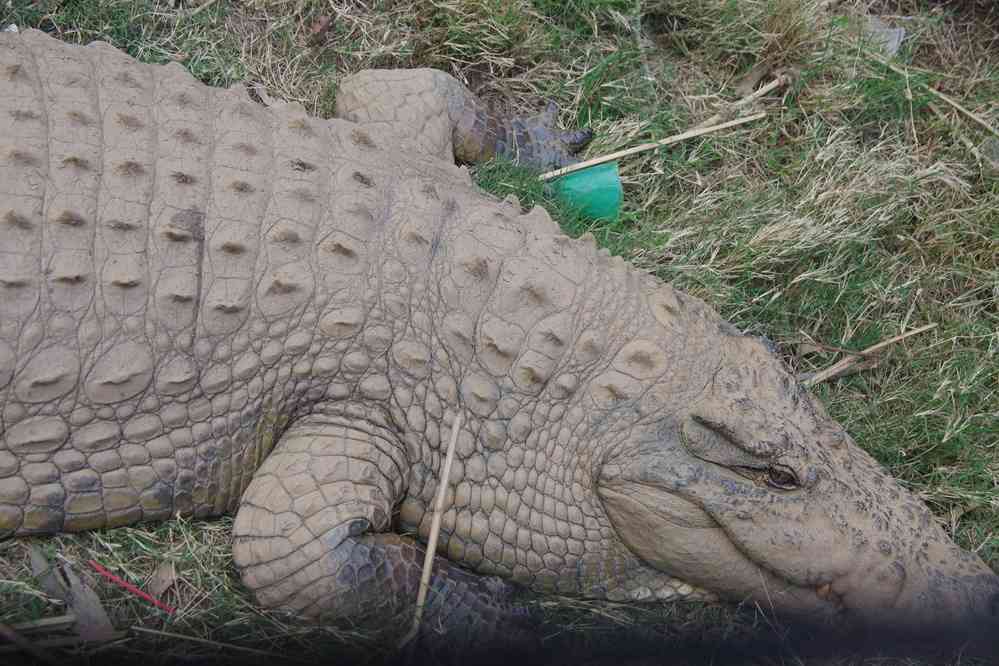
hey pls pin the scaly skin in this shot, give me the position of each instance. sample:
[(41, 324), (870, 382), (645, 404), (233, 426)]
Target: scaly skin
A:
[(213, 307)]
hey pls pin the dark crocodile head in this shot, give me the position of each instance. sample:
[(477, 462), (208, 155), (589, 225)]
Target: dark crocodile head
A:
[(751, 491)]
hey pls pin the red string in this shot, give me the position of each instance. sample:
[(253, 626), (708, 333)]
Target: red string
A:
[(131, 588)]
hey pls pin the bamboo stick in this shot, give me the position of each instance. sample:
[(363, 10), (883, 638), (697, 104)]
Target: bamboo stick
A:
[(751, 97), (45, 624), (435, 525), (435, 528), (946, 98), (974, 116), (845, 364), (200, 8), (205, 641), (676, 138)]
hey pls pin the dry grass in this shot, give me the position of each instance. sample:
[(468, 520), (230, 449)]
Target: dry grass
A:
[(208, 598), (852, 214)]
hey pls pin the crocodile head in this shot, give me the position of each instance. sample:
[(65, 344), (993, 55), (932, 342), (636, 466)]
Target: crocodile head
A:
[(751, 491)]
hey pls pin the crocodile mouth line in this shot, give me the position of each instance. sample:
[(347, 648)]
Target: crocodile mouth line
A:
[(826, 597), (819, 598)]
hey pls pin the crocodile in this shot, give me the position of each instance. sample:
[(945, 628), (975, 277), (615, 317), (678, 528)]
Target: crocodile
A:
[(215, 307)]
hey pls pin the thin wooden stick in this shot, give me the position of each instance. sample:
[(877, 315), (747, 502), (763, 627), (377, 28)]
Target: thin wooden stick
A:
[(974, 116), (956, 129), (845, 364), (27, 646), (751, 97), (676, 138), (70, 642), (45, 624), (435, 528), (205, 641), (200, 8), (781, 80)]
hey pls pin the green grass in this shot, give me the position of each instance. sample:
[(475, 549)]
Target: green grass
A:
[(852, 213)]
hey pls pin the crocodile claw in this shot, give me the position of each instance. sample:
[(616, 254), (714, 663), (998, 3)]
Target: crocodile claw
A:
[(537, 141), (577, 140)]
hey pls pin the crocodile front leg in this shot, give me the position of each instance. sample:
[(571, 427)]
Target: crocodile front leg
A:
[(442, 117), (310, 537)]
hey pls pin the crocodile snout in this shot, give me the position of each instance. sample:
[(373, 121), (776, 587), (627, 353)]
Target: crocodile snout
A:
[(961, 609)]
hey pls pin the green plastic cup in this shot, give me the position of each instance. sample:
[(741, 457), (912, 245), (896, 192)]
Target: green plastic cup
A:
[(594, 192)]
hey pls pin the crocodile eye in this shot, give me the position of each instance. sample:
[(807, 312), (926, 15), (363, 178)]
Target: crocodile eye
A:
[(782, 478)]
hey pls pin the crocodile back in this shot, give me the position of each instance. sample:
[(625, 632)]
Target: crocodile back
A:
[(159, 250)]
